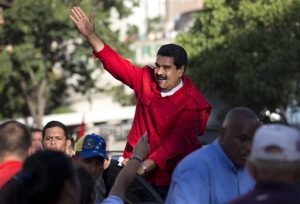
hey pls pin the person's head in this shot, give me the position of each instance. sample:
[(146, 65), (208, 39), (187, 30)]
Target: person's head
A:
[(49, 177), (70, 149), (275, 153), (93, 154), (237, 132), (36, 140), (171, 62), (15, 140), (55, 136)]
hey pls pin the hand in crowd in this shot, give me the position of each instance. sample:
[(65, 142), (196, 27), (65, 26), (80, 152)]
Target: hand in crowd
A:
[(107, 162), (142, 147)]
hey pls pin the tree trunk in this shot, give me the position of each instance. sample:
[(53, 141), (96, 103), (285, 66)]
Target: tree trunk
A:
[(36, 98)]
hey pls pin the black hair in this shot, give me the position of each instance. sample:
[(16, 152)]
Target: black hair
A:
[(71, 138), (44, 175), (15, 137), (32, 129), (55, 123), (41, 180), (177, 52)]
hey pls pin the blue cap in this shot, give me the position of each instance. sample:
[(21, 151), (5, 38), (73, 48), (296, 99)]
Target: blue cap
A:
[(93, 146)]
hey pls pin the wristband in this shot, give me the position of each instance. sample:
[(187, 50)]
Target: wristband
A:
[(134, 156)]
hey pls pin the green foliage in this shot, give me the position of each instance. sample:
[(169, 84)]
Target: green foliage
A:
[(246, 52), (44, 40), (61, 109), (120, 95)]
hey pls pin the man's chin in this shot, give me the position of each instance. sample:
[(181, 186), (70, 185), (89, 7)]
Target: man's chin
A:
[(162, 87)]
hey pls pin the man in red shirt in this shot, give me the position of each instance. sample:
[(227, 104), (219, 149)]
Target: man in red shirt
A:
[(168, 105), (15, 140)]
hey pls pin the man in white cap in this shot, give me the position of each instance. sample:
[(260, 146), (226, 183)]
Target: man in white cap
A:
[(274, 163)]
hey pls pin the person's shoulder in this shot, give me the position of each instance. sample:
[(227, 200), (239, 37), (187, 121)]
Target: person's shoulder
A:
[(148, 70), (196, 100), (199, 158)]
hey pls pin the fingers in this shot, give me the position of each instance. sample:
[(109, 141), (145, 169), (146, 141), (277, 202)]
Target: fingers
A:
[(92, 18), (77, 14), (73, 19), (125, 161)]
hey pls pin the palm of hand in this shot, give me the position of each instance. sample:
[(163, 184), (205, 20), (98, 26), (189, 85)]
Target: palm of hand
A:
[(85, 26)]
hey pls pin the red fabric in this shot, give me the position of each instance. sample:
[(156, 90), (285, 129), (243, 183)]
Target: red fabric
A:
[(81, 129), (173, 122), (8, 169)]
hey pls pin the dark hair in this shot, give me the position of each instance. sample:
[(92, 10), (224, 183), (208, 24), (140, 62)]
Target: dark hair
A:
[(71, 138), (177, 52), (41, 180), (32, 129), (55, 123), (44, 175), (15, 137)]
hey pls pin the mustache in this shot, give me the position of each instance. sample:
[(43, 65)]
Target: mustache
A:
[(161, 77)]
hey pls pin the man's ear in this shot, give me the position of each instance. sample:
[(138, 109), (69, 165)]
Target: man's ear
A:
[(181, 70)]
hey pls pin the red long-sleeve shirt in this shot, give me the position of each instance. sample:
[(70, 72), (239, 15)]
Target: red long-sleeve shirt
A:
[(172, 122)]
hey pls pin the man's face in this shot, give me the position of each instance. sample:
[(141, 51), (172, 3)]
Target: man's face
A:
[(236, 139), (166, 74), (36, 141), (94, 165), (70, 149), (55, 139)]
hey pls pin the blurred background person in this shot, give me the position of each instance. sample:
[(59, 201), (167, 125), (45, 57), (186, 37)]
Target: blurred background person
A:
[(47, 177), (15, 141), (70, 149), (36, 140)]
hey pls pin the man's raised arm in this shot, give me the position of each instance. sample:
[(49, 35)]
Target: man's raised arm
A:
[(86, 26)]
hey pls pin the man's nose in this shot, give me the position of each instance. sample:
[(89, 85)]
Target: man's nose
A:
[(53, 141), (160, 71)]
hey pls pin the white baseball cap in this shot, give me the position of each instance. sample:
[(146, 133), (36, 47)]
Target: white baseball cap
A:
[(285, 138)]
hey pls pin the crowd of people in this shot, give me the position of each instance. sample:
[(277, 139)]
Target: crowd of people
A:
[(249, 162)]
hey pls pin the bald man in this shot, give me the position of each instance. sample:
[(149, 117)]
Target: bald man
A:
[(217, 173)]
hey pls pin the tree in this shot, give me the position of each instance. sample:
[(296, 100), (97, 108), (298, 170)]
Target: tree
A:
[(246, 52), (35, 73)]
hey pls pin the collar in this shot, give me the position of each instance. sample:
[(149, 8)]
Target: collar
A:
[(172, 91), (224, 159)]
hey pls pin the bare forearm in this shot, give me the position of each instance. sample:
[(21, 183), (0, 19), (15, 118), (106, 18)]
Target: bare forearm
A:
[(125, 178), (95, 42)]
